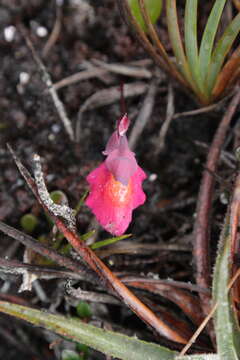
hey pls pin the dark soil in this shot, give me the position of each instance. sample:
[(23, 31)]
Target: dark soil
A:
[(30, 123)]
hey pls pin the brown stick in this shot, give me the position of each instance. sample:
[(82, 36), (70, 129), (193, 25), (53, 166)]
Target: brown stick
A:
[(204, 204)]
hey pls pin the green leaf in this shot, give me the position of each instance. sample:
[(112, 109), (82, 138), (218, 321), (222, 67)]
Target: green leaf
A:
[(58, 197), (83, 350), (222, 48), (71, 355), (176, 40), (29, 222), (81, 201), (153, 7), (227, 334), (83, 310), (207, 42), (190, 33), (106, 242), (86, 236), (108, 342)]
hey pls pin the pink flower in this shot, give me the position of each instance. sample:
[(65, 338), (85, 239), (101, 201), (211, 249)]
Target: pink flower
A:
[(116, 185)]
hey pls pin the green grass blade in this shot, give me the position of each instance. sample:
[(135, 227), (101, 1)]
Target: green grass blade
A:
[(106, 242), (190, 34), (176, 40), (200, 357), (207, 42), (222, 48), (153, 7), (108, 342), (228, 341)]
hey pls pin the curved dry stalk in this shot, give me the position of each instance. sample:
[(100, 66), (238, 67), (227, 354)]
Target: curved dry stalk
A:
[(55, 31), (204, 204), (232, 220), (181, 297), (228, 74)]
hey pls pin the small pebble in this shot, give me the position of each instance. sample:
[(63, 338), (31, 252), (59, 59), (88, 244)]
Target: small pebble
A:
[(56, 128), (9, 33), (24, 78), (152, 177), (41, 31)]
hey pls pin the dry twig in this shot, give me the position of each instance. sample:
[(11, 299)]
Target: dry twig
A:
[(169, 116), (55, 31), (144, 113)]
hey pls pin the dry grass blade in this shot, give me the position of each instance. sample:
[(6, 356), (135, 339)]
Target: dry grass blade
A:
[(91, 296), (79, 76), (127, 70), (107, 97), (55, 32), (144, 113), (169, 117), (186, 301)]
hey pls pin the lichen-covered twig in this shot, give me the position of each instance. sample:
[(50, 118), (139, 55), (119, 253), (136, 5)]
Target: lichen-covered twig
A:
[(43, 250), (64, 211)]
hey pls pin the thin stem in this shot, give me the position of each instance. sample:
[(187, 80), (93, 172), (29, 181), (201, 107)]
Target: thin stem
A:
[(205, 198)]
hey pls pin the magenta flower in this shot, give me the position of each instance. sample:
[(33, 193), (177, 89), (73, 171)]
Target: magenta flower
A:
[(116, 185)]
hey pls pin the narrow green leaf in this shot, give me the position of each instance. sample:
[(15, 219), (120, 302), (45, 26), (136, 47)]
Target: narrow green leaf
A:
[(228, 340), (106, 242), (176, 40), (200, 357), (207, 42), (81, 201), (108, 342), (222, 48), (83, 310), (86, 236), (153, 7), (190, 34)]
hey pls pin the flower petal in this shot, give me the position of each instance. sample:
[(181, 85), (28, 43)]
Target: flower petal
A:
[(113, 202), (122, 167), (112, 143)]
